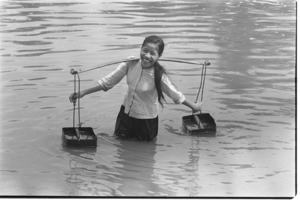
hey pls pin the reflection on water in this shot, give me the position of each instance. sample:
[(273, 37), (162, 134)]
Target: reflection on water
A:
[(131, 173), (249, 90)]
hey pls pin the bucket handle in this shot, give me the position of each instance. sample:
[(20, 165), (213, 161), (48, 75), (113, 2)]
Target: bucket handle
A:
[(73, 72), (202, 81)]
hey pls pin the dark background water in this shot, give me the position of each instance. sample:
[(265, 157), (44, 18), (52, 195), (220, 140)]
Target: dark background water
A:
[(249, 90)]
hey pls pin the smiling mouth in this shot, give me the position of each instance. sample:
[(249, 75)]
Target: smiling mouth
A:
[(147, 61)]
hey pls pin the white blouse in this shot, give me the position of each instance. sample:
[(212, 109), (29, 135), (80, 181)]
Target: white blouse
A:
[(141, 100)]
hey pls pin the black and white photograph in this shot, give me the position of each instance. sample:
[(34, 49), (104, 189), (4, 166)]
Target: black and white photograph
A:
[(148, 99)]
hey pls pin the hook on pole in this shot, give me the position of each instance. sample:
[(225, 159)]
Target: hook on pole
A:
[(73, 72)]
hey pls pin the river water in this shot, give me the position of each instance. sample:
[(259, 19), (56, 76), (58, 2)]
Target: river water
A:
[(249, 91)]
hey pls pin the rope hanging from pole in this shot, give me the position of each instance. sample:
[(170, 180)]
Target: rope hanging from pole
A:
[(74, 102), (78, 95)]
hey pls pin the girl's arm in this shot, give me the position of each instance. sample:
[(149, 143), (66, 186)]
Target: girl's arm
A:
[(169, 89), (196, 107), (104, 84), (82, 93)]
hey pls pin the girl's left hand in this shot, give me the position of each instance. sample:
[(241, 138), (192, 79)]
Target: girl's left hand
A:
[(197, 107)]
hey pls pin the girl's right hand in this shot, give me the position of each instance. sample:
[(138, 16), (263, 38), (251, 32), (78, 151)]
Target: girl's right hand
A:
[(74, 96)]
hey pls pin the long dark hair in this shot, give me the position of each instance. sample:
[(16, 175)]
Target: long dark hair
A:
[(158, 69)]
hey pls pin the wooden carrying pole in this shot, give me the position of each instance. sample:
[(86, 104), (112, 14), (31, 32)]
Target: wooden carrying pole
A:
[(135, 59)]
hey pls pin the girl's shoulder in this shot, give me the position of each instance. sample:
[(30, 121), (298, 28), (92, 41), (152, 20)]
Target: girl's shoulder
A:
[(131, 62), (128, 63), (165, 77)]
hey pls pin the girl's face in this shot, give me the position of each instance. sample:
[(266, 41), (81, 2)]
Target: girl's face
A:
[(149, 55)]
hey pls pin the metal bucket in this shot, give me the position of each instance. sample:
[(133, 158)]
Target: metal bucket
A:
[(79, 137), (199, 124)]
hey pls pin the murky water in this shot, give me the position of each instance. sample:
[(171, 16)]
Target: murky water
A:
[(250, 92)]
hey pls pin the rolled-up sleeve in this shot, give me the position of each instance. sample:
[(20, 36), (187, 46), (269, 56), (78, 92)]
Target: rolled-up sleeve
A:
[(169, 89), (114, 77)]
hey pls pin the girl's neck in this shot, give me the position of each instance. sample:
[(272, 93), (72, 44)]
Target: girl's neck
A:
[(149, 67)]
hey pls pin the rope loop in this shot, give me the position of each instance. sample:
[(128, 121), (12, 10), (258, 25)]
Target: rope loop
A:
[(78, 97), (202, 81)]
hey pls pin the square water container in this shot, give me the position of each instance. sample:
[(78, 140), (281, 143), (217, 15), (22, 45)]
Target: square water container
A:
[(79, 137), (200, 124)]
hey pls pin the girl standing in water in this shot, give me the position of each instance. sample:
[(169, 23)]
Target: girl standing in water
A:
[(147, 83)]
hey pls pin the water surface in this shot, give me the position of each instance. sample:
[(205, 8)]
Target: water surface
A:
[(249, 90)]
